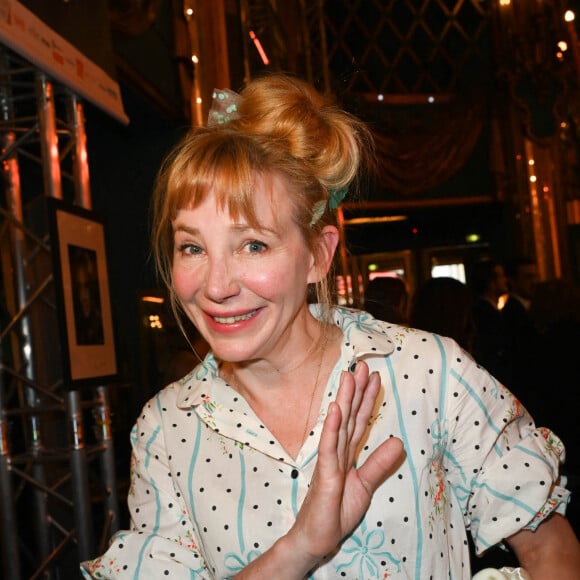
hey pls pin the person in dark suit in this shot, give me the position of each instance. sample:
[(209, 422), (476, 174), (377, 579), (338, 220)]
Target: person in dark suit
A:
[(491, 344), (522, 277)]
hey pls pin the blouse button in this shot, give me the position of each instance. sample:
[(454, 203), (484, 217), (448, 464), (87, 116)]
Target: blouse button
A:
[(294, 474)]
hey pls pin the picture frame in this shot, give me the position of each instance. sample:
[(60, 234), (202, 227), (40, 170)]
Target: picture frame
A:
[(83, 301)]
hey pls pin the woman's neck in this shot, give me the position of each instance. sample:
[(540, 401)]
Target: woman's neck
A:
[(252, 377), (296, 393)]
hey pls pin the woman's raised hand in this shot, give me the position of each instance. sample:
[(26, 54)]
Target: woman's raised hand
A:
[(340, 493)]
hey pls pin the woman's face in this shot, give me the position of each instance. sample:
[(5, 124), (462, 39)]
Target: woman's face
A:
[(244, 288)]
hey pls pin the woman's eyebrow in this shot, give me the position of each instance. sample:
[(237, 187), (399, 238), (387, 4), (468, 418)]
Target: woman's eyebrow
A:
[(238, 227), (242, 227), (178, 227)]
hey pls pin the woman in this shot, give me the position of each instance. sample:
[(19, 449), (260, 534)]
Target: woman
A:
[(281, 454)]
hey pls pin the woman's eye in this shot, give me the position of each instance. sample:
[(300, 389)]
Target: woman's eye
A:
[(255, 246), (191, 249)]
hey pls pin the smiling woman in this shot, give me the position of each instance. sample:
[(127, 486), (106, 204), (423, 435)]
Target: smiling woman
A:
[(244, 286), (281, 454)]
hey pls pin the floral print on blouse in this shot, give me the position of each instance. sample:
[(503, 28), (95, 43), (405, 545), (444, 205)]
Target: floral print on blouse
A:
[(212, 489)]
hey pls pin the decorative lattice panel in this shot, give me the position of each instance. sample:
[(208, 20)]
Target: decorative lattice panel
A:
[(407, 46)]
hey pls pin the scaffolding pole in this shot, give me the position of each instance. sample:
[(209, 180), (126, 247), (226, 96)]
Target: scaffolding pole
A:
[(47, 464)]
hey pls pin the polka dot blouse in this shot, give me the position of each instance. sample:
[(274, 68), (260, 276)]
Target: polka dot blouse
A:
[(212, 489)]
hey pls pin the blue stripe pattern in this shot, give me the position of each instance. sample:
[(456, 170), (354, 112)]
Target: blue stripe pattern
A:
[(412, 467), (241, 502)]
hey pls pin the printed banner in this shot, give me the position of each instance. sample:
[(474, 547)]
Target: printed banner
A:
[(31, 38)]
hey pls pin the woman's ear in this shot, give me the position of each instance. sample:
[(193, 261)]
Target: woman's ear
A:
[(327, 243)]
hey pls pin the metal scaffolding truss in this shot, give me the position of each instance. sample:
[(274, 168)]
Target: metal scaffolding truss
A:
[(57, 475)]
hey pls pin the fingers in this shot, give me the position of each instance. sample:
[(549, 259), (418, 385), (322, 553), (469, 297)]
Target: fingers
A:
[(361, 377), (364, 412), (344, 400), (382, 461), (327, 447), (333, 449), (347, 419), (356, 398)]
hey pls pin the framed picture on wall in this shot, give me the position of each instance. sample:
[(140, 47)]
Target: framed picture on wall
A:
[(82, 294)]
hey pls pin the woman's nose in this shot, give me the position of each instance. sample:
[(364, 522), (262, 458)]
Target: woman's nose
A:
[(221, 279)]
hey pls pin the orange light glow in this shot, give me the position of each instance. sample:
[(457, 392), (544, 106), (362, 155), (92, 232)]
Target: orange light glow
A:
[(259, 48), (154, 299)]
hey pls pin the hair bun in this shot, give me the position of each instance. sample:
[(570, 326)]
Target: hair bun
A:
[(308, 124)]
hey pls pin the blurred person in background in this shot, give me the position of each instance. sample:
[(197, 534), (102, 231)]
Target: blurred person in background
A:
[(386, 298), (444, 305)]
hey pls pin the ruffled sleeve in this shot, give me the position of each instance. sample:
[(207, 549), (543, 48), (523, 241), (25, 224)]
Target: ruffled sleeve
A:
[(509, 476), (162, 540)]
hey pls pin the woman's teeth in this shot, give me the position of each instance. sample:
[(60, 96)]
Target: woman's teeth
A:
[(232, 319)]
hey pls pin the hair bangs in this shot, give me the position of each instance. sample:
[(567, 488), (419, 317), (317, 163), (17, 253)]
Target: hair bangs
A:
[(224, 163)]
